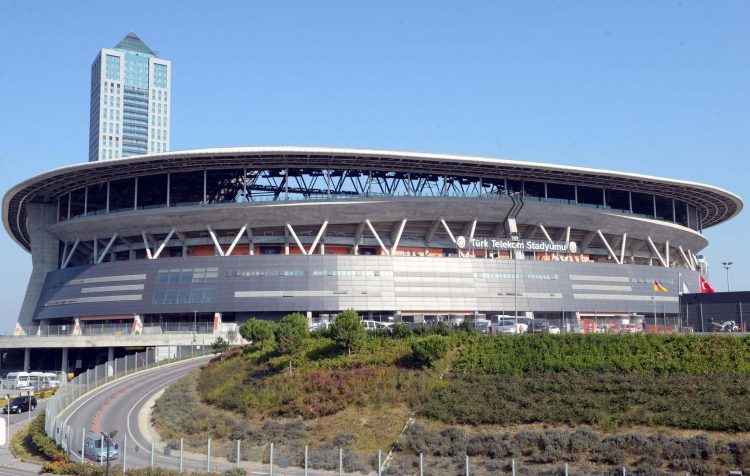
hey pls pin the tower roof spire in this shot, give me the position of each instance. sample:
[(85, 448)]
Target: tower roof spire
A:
[(132, 42)]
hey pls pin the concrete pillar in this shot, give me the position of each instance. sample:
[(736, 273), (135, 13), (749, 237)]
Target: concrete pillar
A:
[(64, 366), (110, 354), (217, 322), (26, 359), (322, 248), (44, 256)]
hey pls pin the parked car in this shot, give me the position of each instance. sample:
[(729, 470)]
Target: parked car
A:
[(482, 326), (17, 380), (508, 326), (20, 404), (539, 327), (373, 325), (577, 329), (94, 449), (554, 330)]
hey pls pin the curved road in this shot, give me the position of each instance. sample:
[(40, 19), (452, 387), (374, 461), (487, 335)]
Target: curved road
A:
[(116, 406)]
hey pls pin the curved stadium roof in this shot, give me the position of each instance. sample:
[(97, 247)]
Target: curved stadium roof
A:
[(714, 204)]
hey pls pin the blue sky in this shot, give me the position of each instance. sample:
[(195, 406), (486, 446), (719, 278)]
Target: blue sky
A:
[(659, 88)]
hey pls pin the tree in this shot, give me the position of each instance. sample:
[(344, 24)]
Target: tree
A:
[(220, 346), (290, 335), (347, 330), (429, 350), (259, 331)]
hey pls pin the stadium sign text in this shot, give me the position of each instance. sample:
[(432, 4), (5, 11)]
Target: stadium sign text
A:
[(521, 245)]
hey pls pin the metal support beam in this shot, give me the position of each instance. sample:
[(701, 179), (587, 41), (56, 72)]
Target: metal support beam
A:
[(431, 232), (622, 247), (666, 252), (377, 237), (318, 236), (296, 240), (106, 248), (358, 237), (609, 248), (394, 242), (250, 243), (587, 240), (216, 242), (164, 243), (146, 244), (70, 255), (236, 240), (656, 251)]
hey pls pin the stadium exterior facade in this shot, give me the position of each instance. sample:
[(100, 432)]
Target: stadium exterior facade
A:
[(200, 235)]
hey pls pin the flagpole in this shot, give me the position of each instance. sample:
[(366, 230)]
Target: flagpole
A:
[(653, 299)]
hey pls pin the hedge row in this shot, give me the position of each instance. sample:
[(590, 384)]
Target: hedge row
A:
[(519, 354)]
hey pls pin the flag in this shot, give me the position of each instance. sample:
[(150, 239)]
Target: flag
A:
[(705, 287), (659, 287), (685, 289)]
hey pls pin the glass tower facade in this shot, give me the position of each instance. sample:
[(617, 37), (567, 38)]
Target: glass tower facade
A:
[(130, 101)]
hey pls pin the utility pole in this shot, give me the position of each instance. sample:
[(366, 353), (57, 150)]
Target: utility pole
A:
[(727, 265)]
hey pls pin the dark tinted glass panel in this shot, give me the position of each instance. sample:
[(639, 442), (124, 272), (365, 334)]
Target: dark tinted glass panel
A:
[(664, 208), (533, 189), (618, 199), (558, 191), (186, 188), (492, 186), (643, 204), (693, 217), (590, 196), (152, 191), (63, 212), (97, 199), (121, 194), (515, 186), (77, 202), (224, 186), (680, 209)]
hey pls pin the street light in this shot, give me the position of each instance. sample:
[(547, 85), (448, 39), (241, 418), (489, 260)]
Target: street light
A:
[(107, 441), (727, 265), (515, 238)]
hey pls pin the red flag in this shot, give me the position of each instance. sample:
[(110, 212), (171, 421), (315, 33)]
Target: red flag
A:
[(705, 287)]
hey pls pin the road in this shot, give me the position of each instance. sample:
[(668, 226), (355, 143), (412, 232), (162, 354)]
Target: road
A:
[(117, 406)]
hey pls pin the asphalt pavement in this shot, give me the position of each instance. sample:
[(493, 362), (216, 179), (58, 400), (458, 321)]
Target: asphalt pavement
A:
[(117, 406)]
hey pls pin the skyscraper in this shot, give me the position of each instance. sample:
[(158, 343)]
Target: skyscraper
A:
[(130, 101)]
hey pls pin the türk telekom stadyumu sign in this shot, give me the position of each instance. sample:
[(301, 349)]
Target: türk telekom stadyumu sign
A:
[(520, 245)]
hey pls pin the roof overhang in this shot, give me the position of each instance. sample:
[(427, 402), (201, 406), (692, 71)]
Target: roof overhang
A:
[(714, 204)]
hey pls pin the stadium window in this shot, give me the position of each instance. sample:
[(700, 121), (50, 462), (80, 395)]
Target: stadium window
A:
[(643, 204), (618, 200), (664, 209), (515, 186), (533, 189), (590, 196), (561, 192), (681, 213)]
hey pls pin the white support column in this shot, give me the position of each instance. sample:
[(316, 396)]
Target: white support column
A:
[(394, 245), (70, 254), (448, 230), (666, 252), (609, 248), (471, 235), (106, 248), (546, 235), (146, 245), (95, 251), (236, 240), (377, 237), (296, 240), (216, 242), (164, 244), (622, 248), (567, 237), (317, 239), (655, 251), (688, 261)]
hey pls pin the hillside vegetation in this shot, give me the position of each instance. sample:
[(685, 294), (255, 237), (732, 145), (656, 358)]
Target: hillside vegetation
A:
[(318, 394)]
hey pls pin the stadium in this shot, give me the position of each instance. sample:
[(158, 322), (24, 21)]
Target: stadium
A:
[(196, 237)]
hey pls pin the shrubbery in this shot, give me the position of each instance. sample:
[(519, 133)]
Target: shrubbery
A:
[(429, 350), (521, 354)]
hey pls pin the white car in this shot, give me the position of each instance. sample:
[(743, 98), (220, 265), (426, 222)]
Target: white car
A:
[(509, 326), (554, 330), (373, 325)]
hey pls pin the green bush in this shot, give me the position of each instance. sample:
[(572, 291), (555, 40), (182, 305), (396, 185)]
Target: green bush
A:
[(520, 354), (427, 351), (258, 331), (42, 443), (347, 330)]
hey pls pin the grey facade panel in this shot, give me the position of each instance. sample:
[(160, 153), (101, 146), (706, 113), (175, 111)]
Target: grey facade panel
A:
[(407, 285)]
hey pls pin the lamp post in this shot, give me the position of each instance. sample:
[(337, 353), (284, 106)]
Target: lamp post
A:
[(514, 238), (727, 265), (107, 442)]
